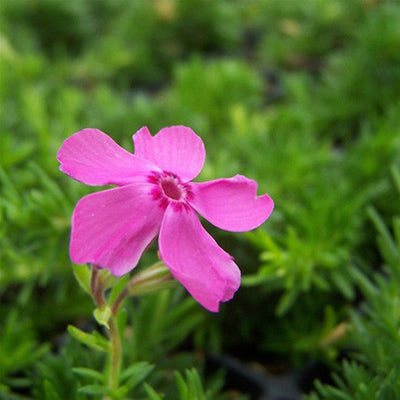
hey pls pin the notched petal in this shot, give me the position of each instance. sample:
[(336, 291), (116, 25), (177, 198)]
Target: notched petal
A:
[(195, 259), (232, 203), (175, 149), (92, 157)]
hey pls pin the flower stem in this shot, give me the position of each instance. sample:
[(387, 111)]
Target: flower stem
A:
[(114, 355), (97, 287), (114, 361), (118, 301), (153, 278)]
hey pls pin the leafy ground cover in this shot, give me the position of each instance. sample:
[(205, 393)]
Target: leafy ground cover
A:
[(301, 96)]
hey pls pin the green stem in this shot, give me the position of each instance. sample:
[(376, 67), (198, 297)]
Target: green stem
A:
[(114, 361), (114, 355), (153, 278)]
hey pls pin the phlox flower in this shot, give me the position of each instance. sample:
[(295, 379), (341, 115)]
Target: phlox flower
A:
[(154, 196)]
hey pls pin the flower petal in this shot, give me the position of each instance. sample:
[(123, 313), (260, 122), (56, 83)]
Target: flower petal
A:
[(195, 259), (113, 227), (92, 157), (232, 203), (174, 149)]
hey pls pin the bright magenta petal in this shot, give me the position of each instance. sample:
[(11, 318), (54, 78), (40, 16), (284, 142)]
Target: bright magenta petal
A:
[(174, 149), (231, 204), (92, 157), (112, 228), (195, 259)]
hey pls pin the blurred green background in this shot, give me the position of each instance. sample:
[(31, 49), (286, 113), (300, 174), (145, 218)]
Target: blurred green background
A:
[(302, 96)]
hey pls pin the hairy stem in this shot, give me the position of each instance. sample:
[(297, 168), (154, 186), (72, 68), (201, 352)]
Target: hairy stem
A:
[(97, 287), (114, 355), (114, 361)]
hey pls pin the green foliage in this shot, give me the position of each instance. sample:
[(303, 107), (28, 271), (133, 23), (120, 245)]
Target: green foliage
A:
[(300, 34), (19, 349), (162, 321), (207, 91), (189, 387), (365, 73), (55, 380), (192, 388), (374, 331)]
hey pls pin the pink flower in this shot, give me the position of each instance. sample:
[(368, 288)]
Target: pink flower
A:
[(155, 196)]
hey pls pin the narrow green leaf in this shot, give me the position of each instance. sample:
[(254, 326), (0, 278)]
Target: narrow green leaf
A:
[(88, 339), (388, 247), (396, 177), (286, 301), (4, 395), (136, 373), (343, 284), (82, 275), (50, 391), (365, 284), (197, 384), (181, 385), (101, 340), (88, 373), (396, 229), (151, 393), (94, 390)]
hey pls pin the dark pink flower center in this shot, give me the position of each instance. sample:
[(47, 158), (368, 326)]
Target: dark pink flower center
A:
[(168, 188), (172, 188)]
